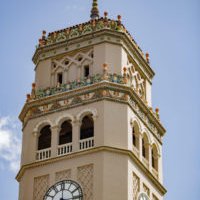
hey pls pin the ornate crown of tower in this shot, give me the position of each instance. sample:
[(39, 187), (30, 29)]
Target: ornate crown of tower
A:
[(89, 131)]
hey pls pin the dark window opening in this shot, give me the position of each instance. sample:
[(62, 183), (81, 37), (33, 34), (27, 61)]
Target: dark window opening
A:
[(66, 62), (44, 140), (86, 71), (134, 138), (80, 58), (153, 160), (143, 149), (60, 78), (65, 135), (87, 128)]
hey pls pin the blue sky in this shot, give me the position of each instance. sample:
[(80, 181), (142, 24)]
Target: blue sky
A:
[(168, 30)]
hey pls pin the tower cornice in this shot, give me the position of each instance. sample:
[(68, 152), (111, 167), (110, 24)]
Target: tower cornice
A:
[(60, 41), (87, 91), (125, 152)]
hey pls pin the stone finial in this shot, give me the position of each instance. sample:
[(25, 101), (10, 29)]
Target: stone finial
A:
[(43, 35), (157, 112), (119, 17), (28, 97), (105, 15), (105, 67), (125, 75), (95, 10), (147, 57), (33, 95), (105, 71)]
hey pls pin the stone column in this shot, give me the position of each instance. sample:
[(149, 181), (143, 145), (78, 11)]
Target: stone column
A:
[(79, 75), (140, 146), (150, 157), (75, 135), (54, 140), (35, 143)]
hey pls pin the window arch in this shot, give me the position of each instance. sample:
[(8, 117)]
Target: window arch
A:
[(135, 135), (65, 134), (87, 127), (154, 154), (145, 150), (44, 139)]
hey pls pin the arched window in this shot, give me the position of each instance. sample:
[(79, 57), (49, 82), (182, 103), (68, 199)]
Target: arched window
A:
[(65, 135), (154, 153), (44, 140), (135, 138), (145, 150), (87, 127)]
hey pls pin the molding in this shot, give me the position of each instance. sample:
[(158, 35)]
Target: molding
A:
[(103, 90), (128, 153)]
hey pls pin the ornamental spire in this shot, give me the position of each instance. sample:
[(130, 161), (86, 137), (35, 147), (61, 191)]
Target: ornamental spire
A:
[(95, 10)]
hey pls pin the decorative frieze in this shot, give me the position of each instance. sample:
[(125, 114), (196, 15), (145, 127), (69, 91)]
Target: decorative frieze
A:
[(41, 185), (63, 175), (85, 178), (81, 92), (136, 186)]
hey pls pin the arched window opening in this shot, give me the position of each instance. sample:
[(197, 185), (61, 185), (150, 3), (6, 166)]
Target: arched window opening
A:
[(145, 150), (60, 78), (87, 127), (44, 140), (86, 70), (135, 138), (65, 134), (154, 154)]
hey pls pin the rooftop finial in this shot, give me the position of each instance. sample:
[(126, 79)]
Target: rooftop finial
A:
[(95, 10)]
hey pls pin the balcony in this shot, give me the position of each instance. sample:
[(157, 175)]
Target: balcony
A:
[(135, 151), (86, 143), (155, 172), (43, 154), (64, 149), (145, 162)]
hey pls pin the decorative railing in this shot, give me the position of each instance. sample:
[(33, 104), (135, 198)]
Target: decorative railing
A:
[(43, 154), (78, 84), (86, 143), (155, 172), (145, 162), (135, 150), (64, 149), (85, 29)]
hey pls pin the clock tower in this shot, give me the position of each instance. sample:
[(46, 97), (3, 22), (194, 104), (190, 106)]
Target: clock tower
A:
[(89, 130)]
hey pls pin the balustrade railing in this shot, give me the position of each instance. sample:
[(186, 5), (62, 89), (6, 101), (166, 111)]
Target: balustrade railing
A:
[(155, 172), (43, 154), (86, 143), (64, 149), (145, 162), (135, 150)]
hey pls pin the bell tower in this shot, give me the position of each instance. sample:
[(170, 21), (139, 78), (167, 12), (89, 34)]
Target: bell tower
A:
[(89, 130)]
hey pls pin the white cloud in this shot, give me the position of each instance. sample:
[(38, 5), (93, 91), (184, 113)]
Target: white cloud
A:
[(10, 143)]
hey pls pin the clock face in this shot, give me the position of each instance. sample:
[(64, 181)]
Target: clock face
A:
[(64, 190), (143, 196)]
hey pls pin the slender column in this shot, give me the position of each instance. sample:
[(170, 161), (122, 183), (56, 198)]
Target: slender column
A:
[(150, 157), (65, 76), (54, 140), (35, 143), (140, 146), (79, 72), (76, 135)]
